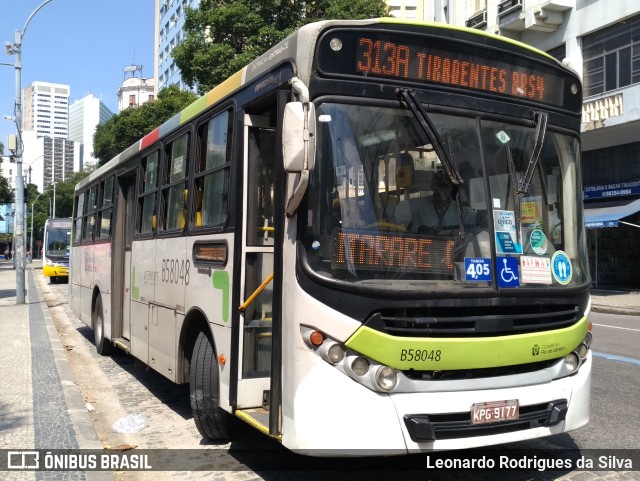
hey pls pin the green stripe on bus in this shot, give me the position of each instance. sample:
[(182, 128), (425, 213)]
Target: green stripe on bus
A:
[(436, 354)]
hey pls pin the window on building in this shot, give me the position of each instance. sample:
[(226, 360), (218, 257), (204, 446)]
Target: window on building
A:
[(132, 100), (612, 57)]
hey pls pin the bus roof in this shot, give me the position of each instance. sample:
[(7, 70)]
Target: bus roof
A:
[(293, 48)]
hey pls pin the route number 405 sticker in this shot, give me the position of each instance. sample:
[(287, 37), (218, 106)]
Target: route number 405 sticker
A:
[(477, 269)]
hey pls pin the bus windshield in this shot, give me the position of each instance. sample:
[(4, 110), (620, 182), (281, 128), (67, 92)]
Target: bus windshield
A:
[(57, 242), (383, 212)]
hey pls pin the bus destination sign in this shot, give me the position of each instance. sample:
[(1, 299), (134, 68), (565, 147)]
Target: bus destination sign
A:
[(437, 60), (421, 63), (372, 250)]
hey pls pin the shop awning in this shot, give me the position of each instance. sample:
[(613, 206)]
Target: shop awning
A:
[(607, 214)]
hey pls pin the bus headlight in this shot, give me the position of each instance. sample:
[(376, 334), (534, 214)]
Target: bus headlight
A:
[(385, 378), (336, 353), (582, 350), (572, 361), (360, 366)]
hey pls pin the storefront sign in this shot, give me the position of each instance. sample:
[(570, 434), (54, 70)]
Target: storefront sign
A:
[(618, 189)]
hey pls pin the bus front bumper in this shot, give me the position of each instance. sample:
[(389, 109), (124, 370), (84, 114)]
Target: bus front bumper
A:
[(358, 422), (55, 270)]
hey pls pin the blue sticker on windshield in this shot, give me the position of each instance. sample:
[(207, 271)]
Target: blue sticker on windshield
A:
[(507, 272), (477, 269), (561, 268)]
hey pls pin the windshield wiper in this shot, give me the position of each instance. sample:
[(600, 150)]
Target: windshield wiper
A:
[(409, 96), (541, 119)]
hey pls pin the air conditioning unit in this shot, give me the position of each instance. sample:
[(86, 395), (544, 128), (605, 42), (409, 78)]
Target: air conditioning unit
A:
[(479, 20), (507, 6)]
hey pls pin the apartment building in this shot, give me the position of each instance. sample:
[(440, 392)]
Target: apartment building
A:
[(169, 32), (46, 109)]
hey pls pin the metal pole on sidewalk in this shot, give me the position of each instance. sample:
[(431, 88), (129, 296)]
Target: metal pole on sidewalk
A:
[(15, 48)]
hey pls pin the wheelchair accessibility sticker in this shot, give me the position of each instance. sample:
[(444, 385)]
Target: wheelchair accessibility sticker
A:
[(561, 268), (507, 272)]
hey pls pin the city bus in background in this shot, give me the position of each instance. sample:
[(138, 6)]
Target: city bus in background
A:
[(56, 248), (272, 246)]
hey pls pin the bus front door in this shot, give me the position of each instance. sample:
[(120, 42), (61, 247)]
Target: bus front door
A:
[(254, 371)]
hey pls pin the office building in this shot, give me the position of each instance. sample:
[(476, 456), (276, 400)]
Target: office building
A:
[(169, 15), (84, 116), (46, 109)]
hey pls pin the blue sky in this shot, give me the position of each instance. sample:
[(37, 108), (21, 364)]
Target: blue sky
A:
[(85, 44)]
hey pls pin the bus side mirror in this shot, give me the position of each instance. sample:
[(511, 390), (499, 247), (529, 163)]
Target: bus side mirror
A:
[(299, 137)]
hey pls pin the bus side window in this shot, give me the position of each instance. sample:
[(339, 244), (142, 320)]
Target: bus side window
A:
[(147, 198), (105, 209), (212, 171), (174, 191), (77, 222), (89, 218)]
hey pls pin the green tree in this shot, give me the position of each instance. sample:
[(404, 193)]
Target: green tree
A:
[(222, 36), (130, 125)]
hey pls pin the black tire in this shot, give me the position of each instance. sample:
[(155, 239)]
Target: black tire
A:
[(212, 422), (103, 346)]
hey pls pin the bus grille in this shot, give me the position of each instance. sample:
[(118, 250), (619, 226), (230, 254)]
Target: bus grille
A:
[(431, 427), (473, 321)]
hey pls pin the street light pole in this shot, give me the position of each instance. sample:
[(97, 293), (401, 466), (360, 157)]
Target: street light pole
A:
[(19, 224)]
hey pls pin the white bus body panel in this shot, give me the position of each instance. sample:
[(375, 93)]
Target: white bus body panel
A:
[(362, 420), (101, 278), (75, 291), (143, 280)]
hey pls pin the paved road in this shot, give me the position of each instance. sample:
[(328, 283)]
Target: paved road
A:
[(118, 386)]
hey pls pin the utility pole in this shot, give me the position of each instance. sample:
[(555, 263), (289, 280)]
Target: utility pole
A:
[(15, 48)]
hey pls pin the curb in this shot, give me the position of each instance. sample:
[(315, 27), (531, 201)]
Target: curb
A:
[(80, 418), (624, 311)]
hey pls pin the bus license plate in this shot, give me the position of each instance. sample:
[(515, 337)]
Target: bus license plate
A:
[(494, 411)]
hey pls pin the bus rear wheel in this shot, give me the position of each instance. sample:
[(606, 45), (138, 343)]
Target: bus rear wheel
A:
[(103, 346), (211, 421)]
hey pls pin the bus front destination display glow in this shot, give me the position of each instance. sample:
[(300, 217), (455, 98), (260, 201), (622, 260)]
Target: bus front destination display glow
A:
[(379, 251), (390, 59)]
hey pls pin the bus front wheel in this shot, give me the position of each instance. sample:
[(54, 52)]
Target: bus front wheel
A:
[(210, 419), (103, 346)]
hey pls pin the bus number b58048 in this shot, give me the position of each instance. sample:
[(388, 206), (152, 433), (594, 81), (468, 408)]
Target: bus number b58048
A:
[(420, 355), (175, 271)]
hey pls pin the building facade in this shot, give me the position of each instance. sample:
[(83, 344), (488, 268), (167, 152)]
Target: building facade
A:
[(135, 91), (84, 116), (46, 160), (46, 109), (169, 21)]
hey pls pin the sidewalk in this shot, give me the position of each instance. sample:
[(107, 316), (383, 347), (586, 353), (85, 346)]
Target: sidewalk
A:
[(40, 404)]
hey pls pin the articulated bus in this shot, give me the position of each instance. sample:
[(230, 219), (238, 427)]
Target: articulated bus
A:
[(280, 244), (55, 252)]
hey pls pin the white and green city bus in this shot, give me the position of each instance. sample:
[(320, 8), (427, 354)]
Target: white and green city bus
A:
[(273, 246), (55, 251)]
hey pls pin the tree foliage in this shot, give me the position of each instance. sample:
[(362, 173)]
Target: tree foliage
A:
[(130, 125), (222, 36)]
